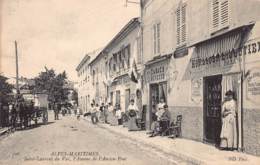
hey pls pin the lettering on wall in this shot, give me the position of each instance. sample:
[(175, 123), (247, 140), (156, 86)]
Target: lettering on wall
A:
[(196, 90), (253, 85), (156, 73)]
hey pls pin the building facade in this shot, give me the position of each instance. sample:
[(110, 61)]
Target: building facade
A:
[(85, 82), (112, 68), (193, 53)]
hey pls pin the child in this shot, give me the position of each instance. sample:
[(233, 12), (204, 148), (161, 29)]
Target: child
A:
[(119, 114)]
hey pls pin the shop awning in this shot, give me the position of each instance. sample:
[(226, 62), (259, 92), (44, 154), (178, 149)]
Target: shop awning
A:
[(218, 55)]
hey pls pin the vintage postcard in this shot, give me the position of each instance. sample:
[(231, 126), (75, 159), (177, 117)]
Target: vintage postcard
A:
[(123, 82)]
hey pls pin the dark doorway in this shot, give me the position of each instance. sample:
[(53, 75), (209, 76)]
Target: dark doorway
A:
[(212, 109)]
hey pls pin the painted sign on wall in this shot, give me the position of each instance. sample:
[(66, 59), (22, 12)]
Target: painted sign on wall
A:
[(196, 90), (253, 85)]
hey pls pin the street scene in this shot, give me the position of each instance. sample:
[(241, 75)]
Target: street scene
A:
[(130, 82)]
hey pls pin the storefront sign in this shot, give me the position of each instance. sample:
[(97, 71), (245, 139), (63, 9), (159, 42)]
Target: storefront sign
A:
[(156, 73), (196, 90), (253, 85)]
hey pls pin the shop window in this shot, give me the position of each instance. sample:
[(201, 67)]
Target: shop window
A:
[(219, 14), (181, 24), (156, 38)]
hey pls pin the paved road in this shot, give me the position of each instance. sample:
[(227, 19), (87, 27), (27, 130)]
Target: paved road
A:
[(69, 141)]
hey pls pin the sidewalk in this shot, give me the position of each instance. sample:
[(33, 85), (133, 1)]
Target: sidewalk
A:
[(188, 150)]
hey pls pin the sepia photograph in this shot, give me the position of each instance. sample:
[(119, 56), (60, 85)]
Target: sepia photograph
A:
[(129, 82)]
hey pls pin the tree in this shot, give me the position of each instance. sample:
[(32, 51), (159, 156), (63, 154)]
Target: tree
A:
[(5, 89), (52, 84)]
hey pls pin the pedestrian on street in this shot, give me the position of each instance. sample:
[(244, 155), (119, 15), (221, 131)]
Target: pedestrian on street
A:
[(119, 114), (56, 111), (133, 115), (102, 113), (110, 110), (93, 111)]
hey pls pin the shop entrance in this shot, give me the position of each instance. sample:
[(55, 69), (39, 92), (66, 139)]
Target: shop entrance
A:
[(212, 109), (157, 91)]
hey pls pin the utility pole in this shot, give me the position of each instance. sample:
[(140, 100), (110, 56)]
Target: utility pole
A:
[(17, 71)]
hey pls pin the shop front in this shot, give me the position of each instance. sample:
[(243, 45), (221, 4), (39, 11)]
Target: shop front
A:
[(156, 82), (219, 62), (121, 90)]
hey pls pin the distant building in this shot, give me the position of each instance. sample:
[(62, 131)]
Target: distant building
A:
[(116, 68), (85, 85)]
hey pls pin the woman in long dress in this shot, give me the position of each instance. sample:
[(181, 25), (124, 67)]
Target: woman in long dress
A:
[(133, 115), (228, 134)]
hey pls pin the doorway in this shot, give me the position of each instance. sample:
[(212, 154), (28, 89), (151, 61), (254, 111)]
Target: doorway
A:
[(157, 91), (212, 109)]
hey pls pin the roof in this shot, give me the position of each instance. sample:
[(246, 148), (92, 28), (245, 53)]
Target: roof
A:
[(123, 31), (88, 57)]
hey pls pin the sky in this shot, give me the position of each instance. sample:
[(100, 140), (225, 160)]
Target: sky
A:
[(57, 33)]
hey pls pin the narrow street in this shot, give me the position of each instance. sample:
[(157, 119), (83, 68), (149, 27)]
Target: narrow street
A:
[(72, 141)]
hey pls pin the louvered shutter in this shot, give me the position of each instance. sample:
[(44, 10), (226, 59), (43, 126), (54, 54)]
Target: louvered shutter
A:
[(154, 39), (178, 18), (215, 14), (224, 12), (158, 37), (183, 21)]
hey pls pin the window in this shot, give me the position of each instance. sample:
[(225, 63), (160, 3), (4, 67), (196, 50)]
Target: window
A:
[(156, 38), (219, 14), (181, 24)]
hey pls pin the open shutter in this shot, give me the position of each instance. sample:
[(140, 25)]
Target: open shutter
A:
[(215, 14), (178, 17), (158, 38), (183, 21), (224, 13)]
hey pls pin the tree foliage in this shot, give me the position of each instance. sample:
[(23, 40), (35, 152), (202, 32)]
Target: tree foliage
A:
[(5, 89), (52, 84)]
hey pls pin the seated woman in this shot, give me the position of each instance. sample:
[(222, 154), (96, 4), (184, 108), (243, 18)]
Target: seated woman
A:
[(133, 115), (162, 123)]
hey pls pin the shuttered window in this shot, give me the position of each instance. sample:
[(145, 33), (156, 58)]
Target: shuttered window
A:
[(220, 14), (181, 33), (156, 38)]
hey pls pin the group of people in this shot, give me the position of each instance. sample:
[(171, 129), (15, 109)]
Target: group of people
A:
[(114, 115), (20, 111)]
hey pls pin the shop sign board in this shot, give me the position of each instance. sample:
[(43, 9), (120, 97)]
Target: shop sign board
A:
[(156, 72)]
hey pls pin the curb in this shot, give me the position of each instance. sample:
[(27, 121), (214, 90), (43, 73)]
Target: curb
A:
[(178, 155), (4, 130)]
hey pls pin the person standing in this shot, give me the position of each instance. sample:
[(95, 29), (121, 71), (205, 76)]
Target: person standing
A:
[(133, 115), (56, 111), (119, 114), (93, 111), (102, 112), (110, 110), (228, 134)]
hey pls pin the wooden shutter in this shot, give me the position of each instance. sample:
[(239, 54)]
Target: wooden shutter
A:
[(158, 37), (183, 21), (178, 18), (215, 14), (154, 39), (224, 12)]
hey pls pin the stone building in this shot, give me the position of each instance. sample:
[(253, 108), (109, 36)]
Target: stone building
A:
[(193, 53), (85, 81), (112, 68)]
